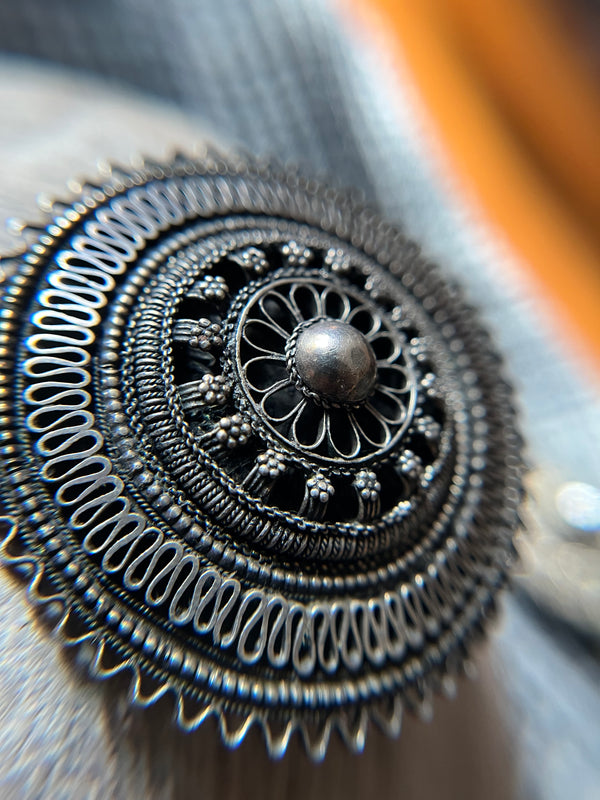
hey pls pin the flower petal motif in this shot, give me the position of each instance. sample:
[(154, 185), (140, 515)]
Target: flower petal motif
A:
[(278, 310), (308, 428), (265, 336), (388, 406), (372, 426), (393, 377), (306, 301), (343, 434), (281, 402), (364, 321), (387, 348), (335, 303), (263, 372)]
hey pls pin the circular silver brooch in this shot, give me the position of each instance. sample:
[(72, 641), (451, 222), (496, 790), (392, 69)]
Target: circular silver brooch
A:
[(258, 449)]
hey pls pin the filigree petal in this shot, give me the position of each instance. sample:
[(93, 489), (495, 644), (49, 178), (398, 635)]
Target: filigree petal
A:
[(362, 319), (389, 406), (335, 303), (387, 348), (308, 427), (372, 426), (281, 402), (263, 373), (264, 336), (393, 377), (342, 433), (278, 310), (306, 301)]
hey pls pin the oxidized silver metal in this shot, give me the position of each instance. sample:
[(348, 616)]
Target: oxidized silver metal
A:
[(257, 447)]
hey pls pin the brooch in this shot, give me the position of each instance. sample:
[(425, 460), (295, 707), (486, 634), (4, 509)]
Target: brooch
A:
[(257, 448)]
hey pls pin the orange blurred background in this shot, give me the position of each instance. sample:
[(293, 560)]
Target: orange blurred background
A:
[(513, 89)]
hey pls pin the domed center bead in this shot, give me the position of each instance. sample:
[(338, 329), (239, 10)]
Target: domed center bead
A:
[(335, 361)]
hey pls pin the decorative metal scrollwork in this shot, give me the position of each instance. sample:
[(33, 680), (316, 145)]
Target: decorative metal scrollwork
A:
[(323, 368), (258, 447)]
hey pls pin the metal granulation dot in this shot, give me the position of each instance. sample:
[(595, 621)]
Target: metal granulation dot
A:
[(247, 458)]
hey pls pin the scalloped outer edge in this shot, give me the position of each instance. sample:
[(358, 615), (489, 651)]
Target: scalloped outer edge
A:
[(232, 728)]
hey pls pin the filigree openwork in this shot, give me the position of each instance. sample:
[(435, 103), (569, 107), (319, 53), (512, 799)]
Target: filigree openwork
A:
[(318, 406), (257, 448)]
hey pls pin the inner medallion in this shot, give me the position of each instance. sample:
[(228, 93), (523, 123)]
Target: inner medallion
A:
[(335, 361), (320, 368)]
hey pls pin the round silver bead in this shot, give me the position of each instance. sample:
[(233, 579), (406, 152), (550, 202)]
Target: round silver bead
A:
[(335, 361)]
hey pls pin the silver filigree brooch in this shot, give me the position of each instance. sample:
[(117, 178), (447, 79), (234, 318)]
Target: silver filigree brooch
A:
[(258, 448)]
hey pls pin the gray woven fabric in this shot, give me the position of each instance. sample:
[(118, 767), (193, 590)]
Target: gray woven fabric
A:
[(260, 72)]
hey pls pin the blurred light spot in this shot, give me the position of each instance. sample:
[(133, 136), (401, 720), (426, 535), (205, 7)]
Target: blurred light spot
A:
[(579, 506)]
